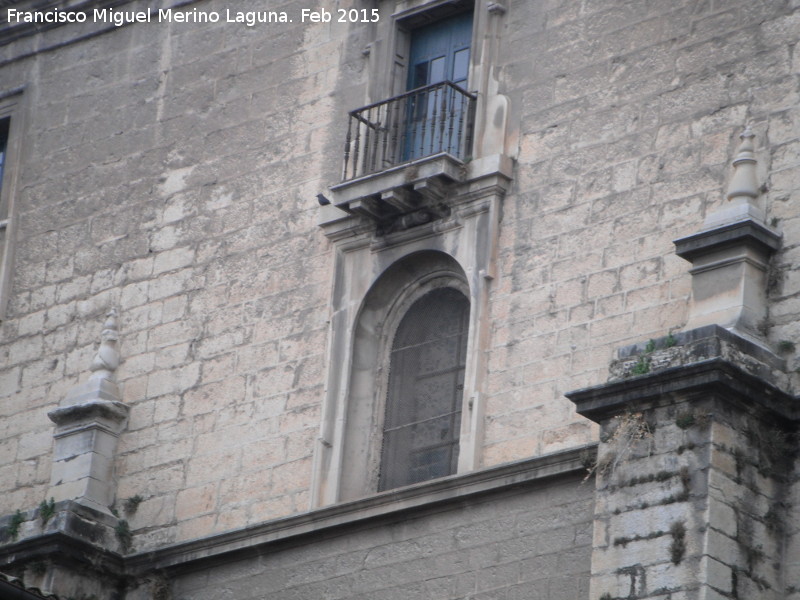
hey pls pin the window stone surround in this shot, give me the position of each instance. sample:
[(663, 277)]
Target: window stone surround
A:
[(468, 237)]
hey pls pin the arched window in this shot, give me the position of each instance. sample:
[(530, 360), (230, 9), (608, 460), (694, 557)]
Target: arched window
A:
[(425, 389), (408, 408)]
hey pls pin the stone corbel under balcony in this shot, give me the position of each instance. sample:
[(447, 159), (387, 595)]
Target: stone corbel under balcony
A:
[(428, 187)]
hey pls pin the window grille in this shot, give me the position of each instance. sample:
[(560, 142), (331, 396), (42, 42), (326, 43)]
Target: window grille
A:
[(426, 380)]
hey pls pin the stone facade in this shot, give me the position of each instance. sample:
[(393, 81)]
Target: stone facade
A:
[(170, 171)]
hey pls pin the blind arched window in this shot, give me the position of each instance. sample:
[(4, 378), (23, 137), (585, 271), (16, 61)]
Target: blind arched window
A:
[(426, 380)]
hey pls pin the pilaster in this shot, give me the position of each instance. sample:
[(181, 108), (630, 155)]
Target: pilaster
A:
[(88, 425), (692, 471)]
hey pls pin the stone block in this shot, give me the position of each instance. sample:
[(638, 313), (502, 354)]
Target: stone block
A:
[(668, 575), (85, 465), (34, 444), (646, 521), (723, 549), (717, 575), (196, 501), (9, 381), (75, 444), (172, 260), (176, 380), (722, 517)]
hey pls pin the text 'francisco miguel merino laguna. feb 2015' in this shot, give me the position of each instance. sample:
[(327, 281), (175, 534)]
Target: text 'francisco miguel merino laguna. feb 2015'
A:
[(169, 15)]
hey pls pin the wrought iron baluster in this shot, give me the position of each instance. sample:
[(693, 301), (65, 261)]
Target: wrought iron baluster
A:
[(395, 126), (356, 145), (423, 103), (367, 147), (460, 126), (452, 123), (347, 146), (433, 106), (443, 120), (470, 125), (384, 129), (374, 124)]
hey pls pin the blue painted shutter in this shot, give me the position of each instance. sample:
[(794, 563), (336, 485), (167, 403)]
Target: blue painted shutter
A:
[(439, 52)]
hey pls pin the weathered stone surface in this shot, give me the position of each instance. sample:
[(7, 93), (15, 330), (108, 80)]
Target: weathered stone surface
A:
[(172, 170), (483, 548)]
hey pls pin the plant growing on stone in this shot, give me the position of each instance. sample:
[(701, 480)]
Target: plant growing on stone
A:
[(160, 588), (124, 535), (38, 568), (642, 366), (774, 447), (631, 434), (131, 504), (47, 508), (677, 549), (685, 420), (17, 519), (773, 520)]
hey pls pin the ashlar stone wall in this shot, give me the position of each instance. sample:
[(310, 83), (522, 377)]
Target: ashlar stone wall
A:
[(171, 170), (528, 543), (627, 117)]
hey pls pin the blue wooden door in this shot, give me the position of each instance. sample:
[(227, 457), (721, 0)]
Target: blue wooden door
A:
[(439, 52)]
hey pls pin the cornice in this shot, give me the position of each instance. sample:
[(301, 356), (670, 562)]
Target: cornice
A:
[(714, 376), (370, 511)]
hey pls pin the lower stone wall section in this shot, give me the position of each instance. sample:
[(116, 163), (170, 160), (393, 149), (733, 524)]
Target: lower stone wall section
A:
[(524, 542)]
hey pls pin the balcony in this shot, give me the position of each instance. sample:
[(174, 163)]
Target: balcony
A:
[(402, 154), (430, 120)]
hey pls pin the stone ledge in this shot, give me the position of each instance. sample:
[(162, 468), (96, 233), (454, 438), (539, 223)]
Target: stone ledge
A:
[(419, 185), (699, 344), (88, 413), (715, 376), (374, 184), (76, 534), (197, 554), (747, 232)]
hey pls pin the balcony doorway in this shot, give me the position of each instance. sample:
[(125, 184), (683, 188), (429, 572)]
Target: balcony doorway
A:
[(435, 113), (439, 53)]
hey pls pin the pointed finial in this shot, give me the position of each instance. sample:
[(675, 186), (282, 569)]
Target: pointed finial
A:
[(106, 360), (744, 181)]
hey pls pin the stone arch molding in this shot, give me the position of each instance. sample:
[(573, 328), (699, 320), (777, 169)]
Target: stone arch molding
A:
[(385, 305), (376, 277)]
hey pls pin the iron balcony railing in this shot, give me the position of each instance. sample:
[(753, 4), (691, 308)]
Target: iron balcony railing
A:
[(429, 120)]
